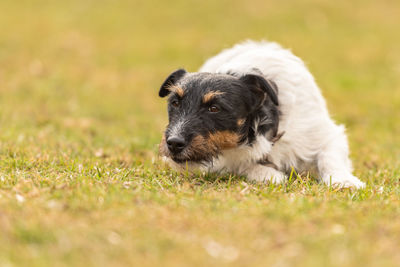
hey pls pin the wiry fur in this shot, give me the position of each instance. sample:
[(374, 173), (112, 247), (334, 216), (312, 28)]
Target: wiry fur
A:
[(310, 141)]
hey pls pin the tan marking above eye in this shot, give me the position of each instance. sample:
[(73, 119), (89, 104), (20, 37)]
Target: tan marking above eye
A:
[(177, 90), (210, 95)]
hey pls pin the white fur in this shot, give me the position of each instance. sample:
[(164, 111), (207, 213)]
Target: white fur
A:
[(312, 142)]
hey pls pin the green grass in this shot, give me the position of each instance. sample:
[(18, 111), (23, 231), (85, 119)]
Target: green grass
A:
[(80, 120)]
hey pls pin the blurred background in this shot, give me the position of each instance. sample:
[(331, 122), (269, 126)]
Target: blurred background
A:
[(79, 84)]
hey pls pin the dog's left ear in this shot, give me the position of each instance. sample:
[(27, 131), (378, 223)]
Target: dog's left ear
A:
[(261, 88), (171, 80)]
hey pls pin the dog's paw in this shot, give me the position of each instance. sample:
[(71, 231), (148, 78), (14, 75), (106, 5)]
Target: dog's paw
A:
[(264, 174), (276, 177), (343, 181)]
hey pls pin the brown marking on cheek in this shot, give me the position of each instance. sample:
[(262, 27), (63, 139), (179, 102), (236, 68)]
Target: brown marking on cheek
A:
[(201, 148), (198, 141), (240, 122), (224, 139), (177, 90), (210, 95), (205, 148)]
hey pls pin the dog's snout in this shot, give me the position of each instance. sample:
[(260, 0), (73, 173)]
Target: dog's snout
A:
[(176, 144)]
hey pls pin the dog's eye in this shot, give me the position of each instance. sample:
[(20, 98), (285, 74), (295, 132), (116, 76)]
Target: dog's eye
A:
[(175, 103), (213, 109)]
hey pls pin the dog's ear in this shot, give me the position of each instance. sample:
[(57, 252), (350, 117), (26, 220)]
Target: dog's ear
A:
[(261, 88), (170, 81)]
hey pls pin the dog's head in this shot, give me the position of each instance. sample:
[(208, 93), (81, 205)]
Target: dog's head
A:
[(211, 112)]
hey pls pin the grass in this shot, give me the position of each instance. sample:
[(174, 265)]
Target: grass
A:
[(80, 120)]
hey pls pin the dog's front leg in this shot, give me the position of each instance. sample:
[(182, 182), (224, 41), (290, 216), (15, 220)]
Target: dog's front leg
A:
[(261, 173)]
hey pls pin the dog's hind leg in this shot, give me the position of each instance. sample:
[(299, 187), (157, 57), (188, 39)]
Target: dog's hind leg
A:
[(261, 173), (334, 165)]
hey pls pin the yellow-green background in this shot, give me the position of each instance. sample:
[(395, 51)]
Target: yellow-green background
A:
[(80, 120)]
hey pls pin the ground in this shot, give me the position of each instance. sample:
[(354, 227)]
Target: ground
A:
[(80, 120)]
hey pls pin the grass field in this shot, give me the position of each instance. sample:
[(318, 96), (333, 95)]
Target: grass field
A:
[(80, 120)]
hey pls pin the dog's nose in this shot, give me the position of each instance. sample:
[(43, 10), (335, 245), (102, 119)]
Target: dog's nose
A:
[(176, 144)]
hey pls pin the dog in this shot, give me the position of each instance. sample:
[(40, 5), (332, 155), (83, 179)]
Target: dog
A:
[(254, 110)]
